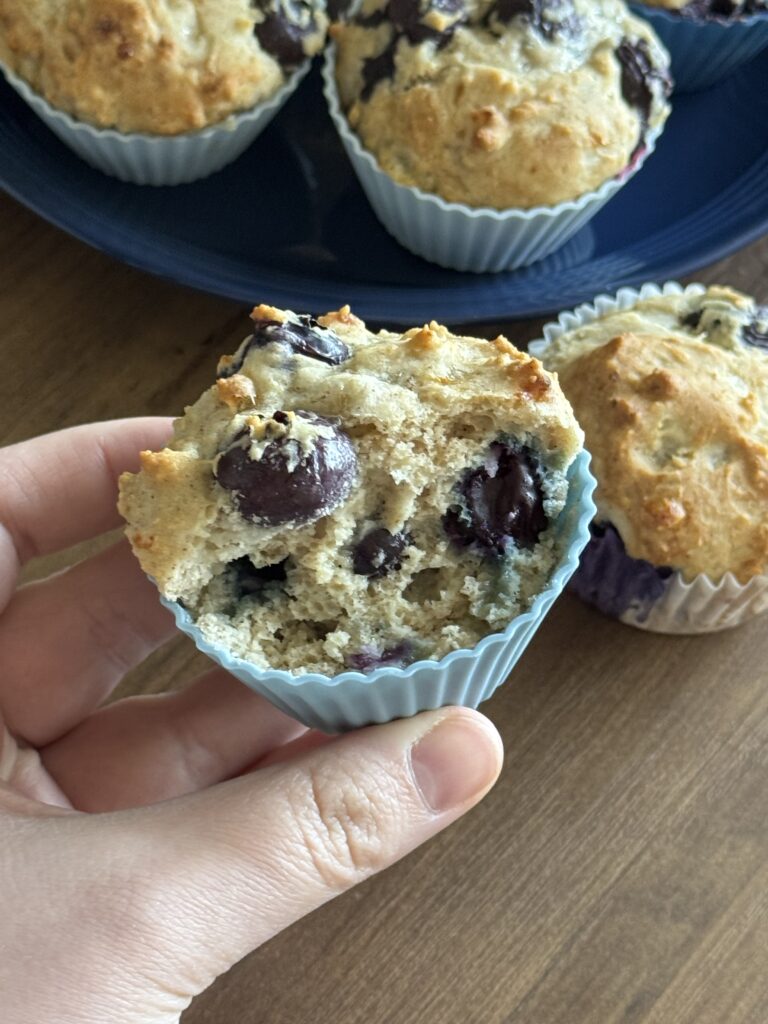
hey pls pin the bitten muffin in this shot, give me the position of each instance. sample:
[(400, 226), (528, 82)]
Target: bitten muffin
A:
[(501, 103), (156, 66), (344, 500), (673, 398), (708, 9)]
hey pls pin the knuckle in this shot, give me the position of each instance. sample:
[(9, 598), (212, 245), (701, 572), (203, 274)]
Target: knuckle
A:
[(344, 820)]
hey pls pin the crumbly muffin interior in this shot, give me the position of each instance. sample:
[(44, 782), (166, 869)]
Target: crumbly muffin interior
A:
[(344, 500)]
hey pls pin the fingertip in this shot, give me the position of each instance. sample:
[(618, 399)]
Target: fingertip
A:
[(456, 760)]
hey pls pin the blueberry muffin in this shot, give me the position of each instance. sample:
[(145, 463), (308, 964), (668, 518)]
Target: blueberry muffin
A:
[(673, 398), (501, 103), (344, 500), (156, 66), (711, 9)]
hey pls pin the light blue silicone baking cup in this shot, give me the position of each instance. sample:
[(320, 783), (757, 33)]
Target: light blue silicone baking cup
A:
[(464, 677), (704, 52), (478, 239)]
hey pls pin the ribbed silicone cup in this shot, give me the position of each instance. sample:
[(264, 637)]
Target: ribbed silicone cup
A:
[(476, 239), (619, 585), (705, 51), (464, 677), (159, 159)]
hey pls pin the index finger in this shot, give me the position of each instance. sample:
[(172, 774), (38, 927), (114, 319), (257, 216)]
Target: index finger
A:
[(61, 488)]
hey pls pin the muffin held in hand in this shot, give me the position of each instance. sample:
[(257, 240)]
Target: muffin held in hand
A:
[(502, 103), (672, 394), (157, 67), (347, 500)]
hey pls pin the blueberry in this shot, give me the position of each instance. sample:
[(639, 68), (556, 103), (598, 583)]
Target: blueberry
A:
[(550, 18), (638, 74), (305, 338), (288, 484), (251, 581), (378, 553), (369, 658), (378, 69), (501, 502), (338, 9), (410, 20), (693, 319), (285, 25)]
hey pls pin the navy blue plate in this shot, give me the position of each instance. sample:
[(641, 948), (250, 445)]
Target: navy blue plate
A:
[(288, 224)]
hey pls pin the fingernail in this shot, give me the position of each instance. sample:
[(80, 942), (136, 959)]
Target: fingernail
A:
[(456, 761)]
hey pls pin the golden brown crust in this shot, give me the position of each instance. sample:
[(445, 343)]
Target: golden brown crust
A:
[(501, 120), (142, 65), (678, 430)]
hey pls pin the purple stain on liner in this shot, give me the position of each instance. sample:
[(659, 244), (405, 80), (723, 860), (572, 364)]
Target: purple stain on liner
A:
[(613, 582), (370, 657)]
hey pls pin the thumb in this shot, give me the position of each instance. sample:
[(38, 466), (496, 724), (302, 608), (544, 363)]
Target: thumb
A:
[(236, 864)]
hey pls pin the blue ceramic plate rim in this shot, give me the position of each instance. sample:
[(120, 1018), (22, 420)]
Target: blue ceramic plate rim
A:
[(719, 228), (674, 18), (282, 287)]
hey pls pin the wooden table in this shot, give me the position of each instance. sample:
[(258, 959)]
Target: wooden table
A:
[(619, 870)]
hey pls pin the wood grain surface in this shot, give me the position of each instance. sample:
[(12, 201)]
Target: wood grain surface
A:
[(617, 873)]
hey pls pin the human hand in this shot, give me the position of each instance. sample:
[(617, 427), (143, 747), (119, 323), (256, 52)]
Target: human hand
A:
[(148, 845)]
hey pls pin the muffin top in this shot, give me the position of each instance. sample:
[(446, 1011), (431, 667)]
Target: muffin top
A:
[(342, 499), (673, 398), (720, 9), (157, 66), (501, 103)]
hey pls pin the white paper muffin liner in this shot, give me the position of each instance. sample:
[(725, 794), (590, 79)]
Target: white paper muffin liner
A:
[(463, 677), (705, 51), (633, 590), (159, 159), (477, 239)]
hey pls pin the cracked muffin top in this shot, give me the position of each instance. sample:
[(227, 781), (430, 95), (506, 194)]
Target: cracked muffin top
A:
[(157, 66), (501, 103), (342, 500), (673, 398)]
